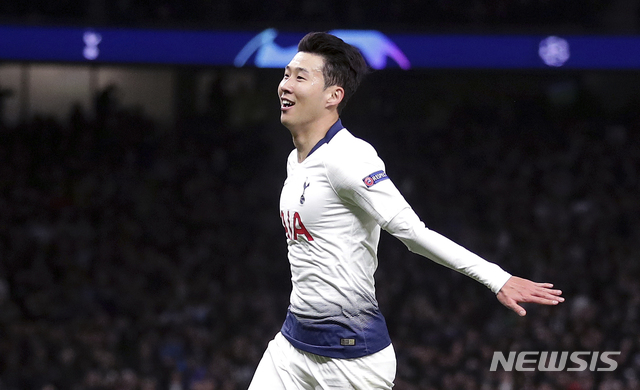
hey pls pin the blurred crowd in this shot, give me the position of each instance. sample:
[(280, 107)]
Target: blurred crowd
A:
[(138, 257), (433, 15)]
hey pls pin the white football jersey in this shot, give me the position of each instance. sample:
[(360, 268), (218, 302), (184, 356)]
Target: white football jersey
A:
[(332, 207)]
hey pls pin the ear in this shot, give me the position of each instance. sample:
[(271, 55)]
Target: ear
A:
[(335, 94)]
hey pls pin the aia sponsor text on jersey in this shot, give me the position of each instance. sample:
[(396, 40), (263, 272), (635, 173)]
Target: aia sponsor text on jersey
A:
[(293, 226)]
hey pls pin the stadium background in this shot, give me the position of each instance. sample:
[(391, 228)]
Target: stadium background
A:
[(140, 245)]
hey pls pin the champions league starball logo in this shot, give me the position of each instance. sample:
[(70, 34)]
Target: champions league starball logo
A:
[(554, 51), (374, 46)]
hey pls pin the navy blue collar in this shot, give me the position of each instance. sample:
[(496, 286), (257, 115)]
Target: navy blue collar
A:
[(332, 131)]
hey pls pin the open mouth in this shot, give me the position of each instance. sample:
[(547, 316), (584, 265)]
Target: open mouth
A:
[(286, 104)]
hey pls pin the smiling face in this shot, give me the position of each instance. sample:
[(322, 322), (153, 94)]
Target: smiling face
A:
[(303, 97)]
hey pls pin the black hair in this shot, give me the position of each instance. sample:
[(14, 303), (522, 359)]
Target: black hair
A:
[(344, 65)]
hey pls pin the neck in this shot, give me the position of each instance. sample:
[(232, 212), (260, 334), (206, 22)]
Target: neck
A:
[(306, 137)]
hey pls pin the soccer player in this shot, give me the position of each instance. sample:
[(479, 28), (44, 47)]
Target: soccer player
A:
[(334, 201)]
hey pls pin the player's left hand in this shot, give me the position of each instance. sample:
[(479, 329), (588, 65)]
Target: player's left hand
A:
[(518, 290)]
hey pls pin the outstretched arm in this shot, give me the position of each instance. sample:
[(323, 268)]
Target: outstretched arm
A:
[(388, 207), (518, 290), (510, 290)]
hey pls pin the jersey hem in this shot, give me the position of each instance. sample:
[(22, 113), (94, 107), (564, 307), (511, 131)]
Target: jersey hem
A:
[(366, 335)]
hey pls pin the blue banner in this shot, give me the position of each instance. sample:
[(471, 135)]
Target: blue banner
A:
[(273, 49)]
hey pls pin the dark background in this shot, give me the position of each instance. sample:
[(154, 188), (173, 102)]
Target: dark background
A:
[(136, 255)]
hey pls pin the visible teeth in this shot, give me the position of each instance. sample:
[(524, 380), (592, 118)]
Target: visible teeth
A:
[(287, 103)]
